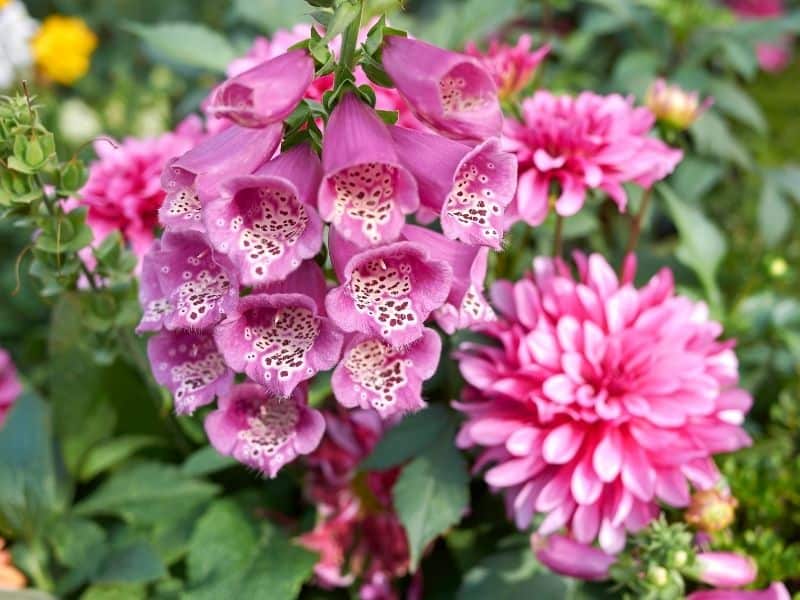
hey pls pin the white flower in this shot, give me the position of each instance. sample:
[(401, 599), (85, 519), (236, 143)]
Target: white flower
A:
[(16, 30)]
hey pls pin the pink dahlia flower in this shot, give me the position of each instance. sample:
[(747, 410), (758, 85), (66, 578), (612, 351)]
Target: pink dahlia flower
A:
[(10, 387), (366, 192), (123, 191), (374, 374), (358, 534), (190, 366), (512, 67), (776, 591), (596, 399), (194, 178), (452, 93), (581, 143), (262, 430), (468, 188), (266, 222), (725, 569)]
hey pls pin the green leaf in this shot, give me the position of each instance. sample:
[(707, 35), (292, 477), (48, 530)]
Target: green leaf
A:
[(270, 15), (119, 591), (409, 438), (147, 493), (25, 595), (734, 101), (77, 541), (635, 71), (186, 44), (230, 558), (345, 14), (695, 177), (774, 214), (114, 451), (713, 137), (205, 461), (702, 245), (134, 562), (432, 493)]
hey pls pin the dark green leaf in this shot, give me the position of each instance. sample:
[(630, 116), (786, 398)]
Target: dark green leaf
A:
[(187, 44), (118, 591), (110, 453), (774, 214), (695, 177), (734, 101), (205, 461), (714, 138), (136, 562)]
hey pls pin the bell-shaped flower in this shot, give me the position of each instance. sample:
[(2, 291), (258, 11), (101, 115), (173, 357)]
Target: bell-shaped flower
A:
[(465, 305), (190, 366), (725, 569), (365, 193), (153, 300), (193, 179), (265, 94), (468, 187), (265, 222), (388, 291), (374, 374), (280, 338), (566, 556), (199, 285), (451, 92), (262, 430)]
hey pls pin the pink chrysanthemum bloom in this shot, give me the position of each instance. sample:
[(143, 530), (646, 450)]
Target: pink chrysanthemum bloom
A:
[(581, 143), (512, 67), (358, 534), (597, 400), (123, 191), (262, 430), (773, 56), (10, 387)]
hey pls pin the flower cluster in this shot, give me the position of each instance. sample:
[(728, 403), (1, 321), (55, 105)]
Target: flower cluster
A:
[(63, 48), (597, 400), (16, 30), (358, 536), (10, 387), (581, 143), (233, 285)]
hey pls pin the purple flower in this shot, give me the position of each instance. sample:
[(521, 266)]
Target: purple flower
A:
[(190, 366), (154, 302), (197, 286), (265, 222), (465, 304), (389, 291), (365, 193), (566, 556), (451, 92), (281, 338), (193, 179), (776, 591), (265, 94), (10, 387), (469, 188), (262, 430), (725, 569), (374, 374)]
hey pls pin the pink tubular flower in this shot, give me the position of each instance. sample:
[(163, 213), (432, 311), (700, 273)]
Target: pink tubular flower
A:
[(10, 387), (262, 430), (281, 338), (358, 534), (725, 569), (373, 374), (598, 399), (365, 193), (581, 143), (512, 67), (469, 188), (193, 179), (265, 222), (193, 287), (465, 304), (123, 192), (190, 366), (389, 292), (448, 91), (568, 557), (267, 93), (776, 591)]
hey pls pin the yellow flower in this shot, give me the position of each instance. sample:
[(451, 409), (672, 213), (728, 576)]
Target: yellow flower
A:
[(711, 510), (63, 48), (673, 105), (4, 2)]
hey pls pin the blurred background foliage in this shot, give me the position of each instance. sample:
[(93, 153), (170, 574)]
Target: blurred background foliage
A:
[(129, 482)]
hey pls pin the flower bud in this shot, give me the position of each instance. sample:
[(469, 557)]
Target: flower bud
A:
[(673, 105), (725, 569), (711, 510)]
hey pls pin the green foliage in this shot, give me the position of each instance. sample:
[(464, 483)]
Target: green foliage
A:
[(186, 44)]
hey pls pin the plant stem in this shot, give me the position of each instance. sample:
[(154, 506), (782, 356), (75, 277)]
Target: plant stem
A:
[(349, 43), (557, 236), (636, 223)]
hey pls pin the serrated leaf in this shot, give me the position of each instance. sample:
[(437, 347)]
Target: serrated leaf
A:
[(774, 214), (431, 494), (186, 44), (229, 557), (147, 493), (112, 452)]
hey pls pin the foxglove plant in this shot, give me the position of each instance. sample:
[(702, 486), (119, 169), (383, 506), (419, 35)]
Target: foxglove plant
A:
[(10, 387), (234, 285)]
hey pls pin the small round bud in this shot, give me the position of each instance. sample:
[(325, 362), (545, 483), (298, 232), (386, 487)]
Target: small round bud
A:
[(711, 510), (658, 575)]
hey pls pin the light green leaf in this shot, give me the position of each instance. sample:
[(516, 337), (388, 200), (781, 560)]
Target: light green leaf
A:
[(186, 44), (229, 557), (636, 70), (147, 493), (114, 451), (270, 15), (431, 494), (713, 138), (695, 177), (735, 102), (205, 461), (774, 214)]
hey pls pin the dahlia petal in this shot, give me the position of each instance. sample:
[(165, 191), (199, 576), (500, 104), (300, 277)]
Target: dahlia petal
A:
[(638, 474), (569, 557), (572, 197), (524, 504), (701, 472), (569, 333), (450, 92), (532, 202), (365, 192), (527, 309), (611, 539), (389, 292), (190, 366), (562, 443), (586, 487), (585, 523), (373, 374), (557, 518), (725, 569), (555, 492), (607, 458), (560, 389), (502, 296), (513, 471), (523, 441), (672, 488), (265, 94)]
